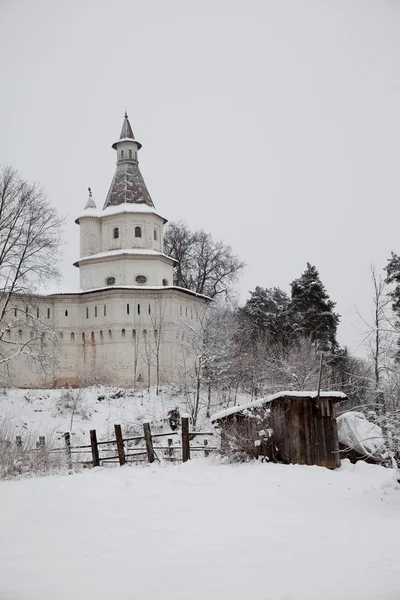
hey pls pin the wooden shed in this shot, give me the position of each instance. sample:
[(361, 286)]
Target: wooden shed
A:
[(288, 427)]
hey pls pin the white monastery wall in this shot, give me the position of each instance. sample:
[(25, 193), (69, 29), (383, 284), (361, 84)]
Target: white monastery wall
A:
[(125, 337), (112, 336)]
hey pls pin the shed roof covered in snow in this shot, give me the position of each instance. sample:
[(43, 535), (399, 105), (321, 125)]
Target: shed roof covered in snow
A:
[(335, 396)]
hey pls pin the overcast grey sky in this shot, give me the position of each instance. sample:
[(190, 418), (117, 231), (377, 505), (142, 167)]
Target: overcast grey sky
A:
[(273, 124)]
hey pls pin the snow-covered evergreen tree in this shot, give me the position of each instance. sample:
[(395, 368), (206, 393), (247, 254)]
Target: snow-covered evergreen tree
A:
[(268, 310), (312, 310), (393, 277)]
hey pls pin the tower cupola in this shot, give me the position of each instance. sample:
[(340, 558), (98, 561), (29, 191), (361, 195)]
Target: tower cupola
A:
[(127, 185)]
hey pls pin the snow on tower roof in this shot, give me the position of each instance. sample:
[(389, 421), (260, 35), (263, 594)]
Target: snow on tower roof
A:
[(90, 203), (126, 133), (122, 253), (128, 186), (118, 209), (61, 291)]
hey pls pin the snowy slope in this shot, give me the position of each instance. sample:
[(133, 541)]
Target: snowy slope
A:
[(44, 412), (202, 530)]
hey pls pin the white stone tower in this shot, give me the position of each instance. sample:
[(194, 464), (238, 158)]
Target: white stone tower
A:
[(122, 244), (127, 324)]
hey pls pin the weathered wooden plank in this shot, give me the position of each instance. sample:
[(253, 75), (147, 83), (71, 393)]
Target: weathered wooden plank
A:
[(149, 442), (206, 451), (294, 435), (278, 427), (307, 431), (335, 436), (185, 439), (67, 441), (322, 446), (314, 439), (287, 430), (120, 444), (95, 449)]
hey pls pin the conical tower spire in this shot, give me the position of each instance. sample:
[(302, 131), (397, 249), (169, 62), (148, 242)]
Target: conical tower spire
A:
[(126, 131), (127, 185)]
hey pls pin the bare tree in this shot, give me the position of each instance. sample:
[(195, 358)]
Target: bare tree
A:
[(382, 402), (136, 337), (204, 265), (379, 331), (193, 351), (30, 237), (147, 355), (157, 320)]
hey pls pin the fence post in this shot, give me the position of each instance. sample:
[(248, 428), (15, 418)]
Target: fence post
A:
[(67, 440), (95, 448), (120, 444), (170, 451), (206, 452), (18, 441), (185, 439), (149, 442)]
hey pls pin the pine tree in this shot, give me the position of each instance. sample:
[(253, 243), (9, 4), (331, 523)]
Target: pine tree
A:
[(393, 277), (312, 310), (269, 313)]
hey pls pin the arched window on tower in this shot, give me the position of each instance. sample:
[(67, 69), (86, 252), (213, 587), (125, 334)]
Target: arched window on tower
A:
[(122, 155), (155, 235), (138, 231), (130, 153), (116, 233)]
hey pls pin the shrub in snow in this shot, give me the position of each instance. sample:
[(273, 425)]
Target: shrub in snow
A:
[(25, 458), (244, 439), (73, 403)]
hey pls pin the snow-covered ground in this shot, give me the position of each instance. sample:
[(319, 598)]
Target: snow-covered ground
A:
[(202, 530), (49, 413)]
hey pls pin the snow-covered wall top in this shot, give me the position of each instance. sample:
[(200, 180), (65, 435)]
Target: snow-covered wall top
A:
[(116, 253), (117, 210), (237, 409), (60, 291)]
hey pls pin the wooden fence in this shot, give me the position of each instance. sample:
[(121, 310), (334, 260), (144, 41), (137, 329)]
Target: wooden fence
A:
[(145, 447)]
